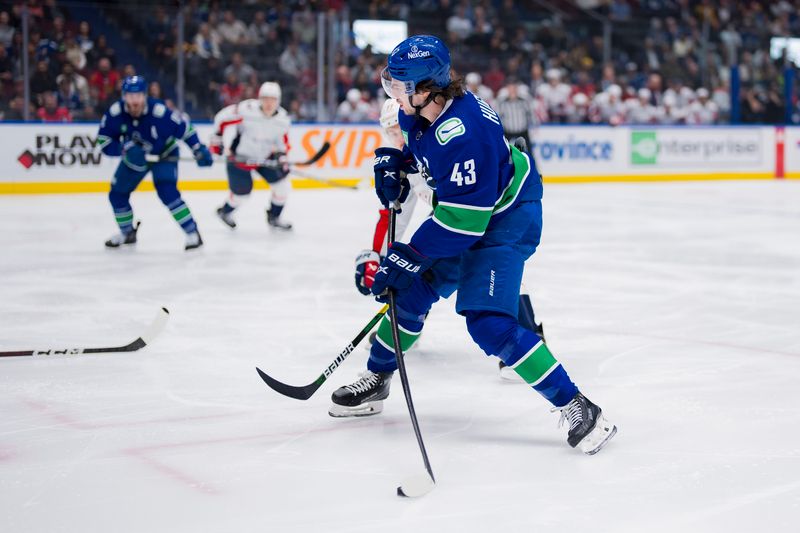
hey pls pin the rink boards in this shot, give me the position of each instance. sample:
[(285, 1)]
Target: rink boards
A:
[(63, 158)]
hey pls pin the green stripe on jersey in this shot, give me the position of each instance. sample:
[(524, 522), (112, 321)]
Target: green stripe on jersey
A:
[(522, 168), (536, 364), (465, 219), (407, 338)]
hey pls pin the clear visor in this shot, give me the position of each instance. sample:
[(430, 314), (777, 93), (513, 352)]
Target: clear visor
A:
[(395, 89)]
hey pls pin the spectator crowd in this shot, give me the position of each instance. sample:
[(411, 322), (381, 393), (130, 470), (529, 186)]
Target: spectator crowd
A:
[(670, 60)]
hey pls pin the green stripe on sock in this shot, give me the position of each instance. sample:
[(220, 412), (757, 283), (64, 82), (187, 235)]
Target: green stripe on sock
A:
[(536, 364), (385, 335), (124, 219), (181, 214)]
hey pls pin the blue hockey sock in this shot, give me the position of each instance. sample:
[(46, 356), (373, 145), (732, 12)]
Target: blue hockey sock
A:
[(535, 364), (182, 215), (123, 212), (522, 350), (381, 355)]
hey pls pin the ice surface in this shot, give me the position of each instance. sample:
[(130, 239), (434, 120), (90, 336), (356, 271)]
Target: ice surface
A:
[(676, 307)]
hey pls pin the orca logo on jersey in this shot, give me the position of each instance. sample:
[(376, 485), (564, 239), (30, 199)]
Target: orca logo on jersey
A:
[(449, 130)]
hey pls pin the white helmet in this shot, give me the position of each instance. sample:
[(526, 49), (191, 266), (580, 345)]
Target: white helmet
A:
[(389, 113), (580, 99), (353, 95), (270, 89), (473, 78)]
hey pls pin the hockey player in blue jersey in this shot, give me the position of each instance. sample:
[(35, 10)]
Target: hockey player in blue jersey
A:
[(487, 221), (146, 133)]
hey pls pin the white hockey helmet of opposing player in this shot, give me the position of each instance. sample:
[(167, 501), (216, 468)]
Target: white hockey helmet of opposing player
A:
[(270, 89), (389, 113)]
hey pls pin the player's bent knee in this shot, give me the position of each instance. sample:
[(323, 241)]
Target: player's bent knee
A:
[(495, 333)]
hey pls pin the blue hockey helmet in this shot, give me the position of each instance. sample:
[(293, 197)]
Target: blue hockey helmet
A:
[(419, 58), (134, 84)]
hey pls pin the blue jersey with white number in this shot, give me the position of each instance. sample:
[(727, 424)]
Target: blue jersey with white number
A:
[(477, 176), (157, 130)]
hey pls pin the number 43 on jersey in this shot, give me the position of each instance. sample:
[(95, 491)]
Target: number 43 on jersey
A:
[(461, 179)]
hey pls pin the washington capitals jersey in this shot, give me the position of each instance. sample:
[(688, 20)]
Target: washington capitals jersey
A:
[(476, 174), (157, 129)]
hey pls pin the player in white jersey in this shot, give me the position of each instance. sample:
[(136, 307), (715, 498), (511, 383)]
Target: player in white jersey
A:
[(702, 110), (555, 95), (608, 107), (259, 142), (640, 110)]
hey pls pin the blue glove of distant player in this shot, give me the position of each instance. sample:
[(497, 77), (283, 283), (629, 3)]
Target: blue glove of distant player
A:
[(390, 167), (133, 155), (202, 156), (399, 268)]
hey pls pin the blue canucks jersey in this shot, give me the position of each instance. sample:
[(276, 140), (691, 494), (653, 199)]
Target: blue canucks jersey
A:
[(157, 130), (476, 174)]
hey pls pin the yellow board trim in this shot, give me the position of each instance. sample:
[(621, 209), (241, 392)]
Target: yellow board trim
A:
[(665, 177), (69, 187)]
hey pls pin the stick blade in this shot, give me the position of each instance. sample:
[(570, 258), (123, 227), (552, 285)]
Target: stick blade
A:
[(298, 393), (157, 326), (416, 486)]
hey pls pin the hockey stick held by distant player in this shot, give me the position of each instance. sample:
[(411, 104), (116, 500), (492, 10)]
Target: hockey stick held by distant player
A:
[(305, 392), (147, 338), (155, 158)]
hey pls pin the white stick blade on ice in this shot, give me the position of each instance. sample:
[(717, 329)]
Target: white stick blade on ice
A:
[(416, 486), (155, 328)]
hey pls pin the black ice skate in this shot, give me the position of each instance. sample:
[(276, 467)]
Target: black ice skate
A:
[(588, 428), (362, 398), (121, 239), (193, 241), (227, 218), (274, 221), (506, 372)]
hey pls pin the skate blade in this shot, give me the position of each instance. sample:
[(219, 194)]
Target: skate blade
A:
[(597, 438), (366, 409)]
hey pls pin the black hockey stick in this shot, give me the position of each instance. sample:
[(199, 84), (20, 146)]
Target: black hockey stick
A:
[(304, 393), (147, 338), (155, 158), (417, 485)]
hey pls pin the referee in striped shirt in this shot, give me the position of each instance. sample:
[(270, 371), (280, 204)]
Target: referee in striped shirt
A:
[(516, 113)]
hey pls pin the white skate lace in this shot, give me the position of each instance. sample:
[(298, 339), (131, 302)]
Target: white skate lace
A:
[(571, 412), (367, 381)]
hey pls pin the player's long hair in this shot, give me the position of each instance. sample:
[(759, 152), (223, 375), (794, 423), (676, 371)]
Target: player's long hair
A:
[(454, 89)]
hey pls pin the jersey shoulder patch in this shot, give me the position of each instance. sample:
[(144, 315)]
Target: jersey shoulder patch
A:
[(159, 110), (115, 109), (450, 129)]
